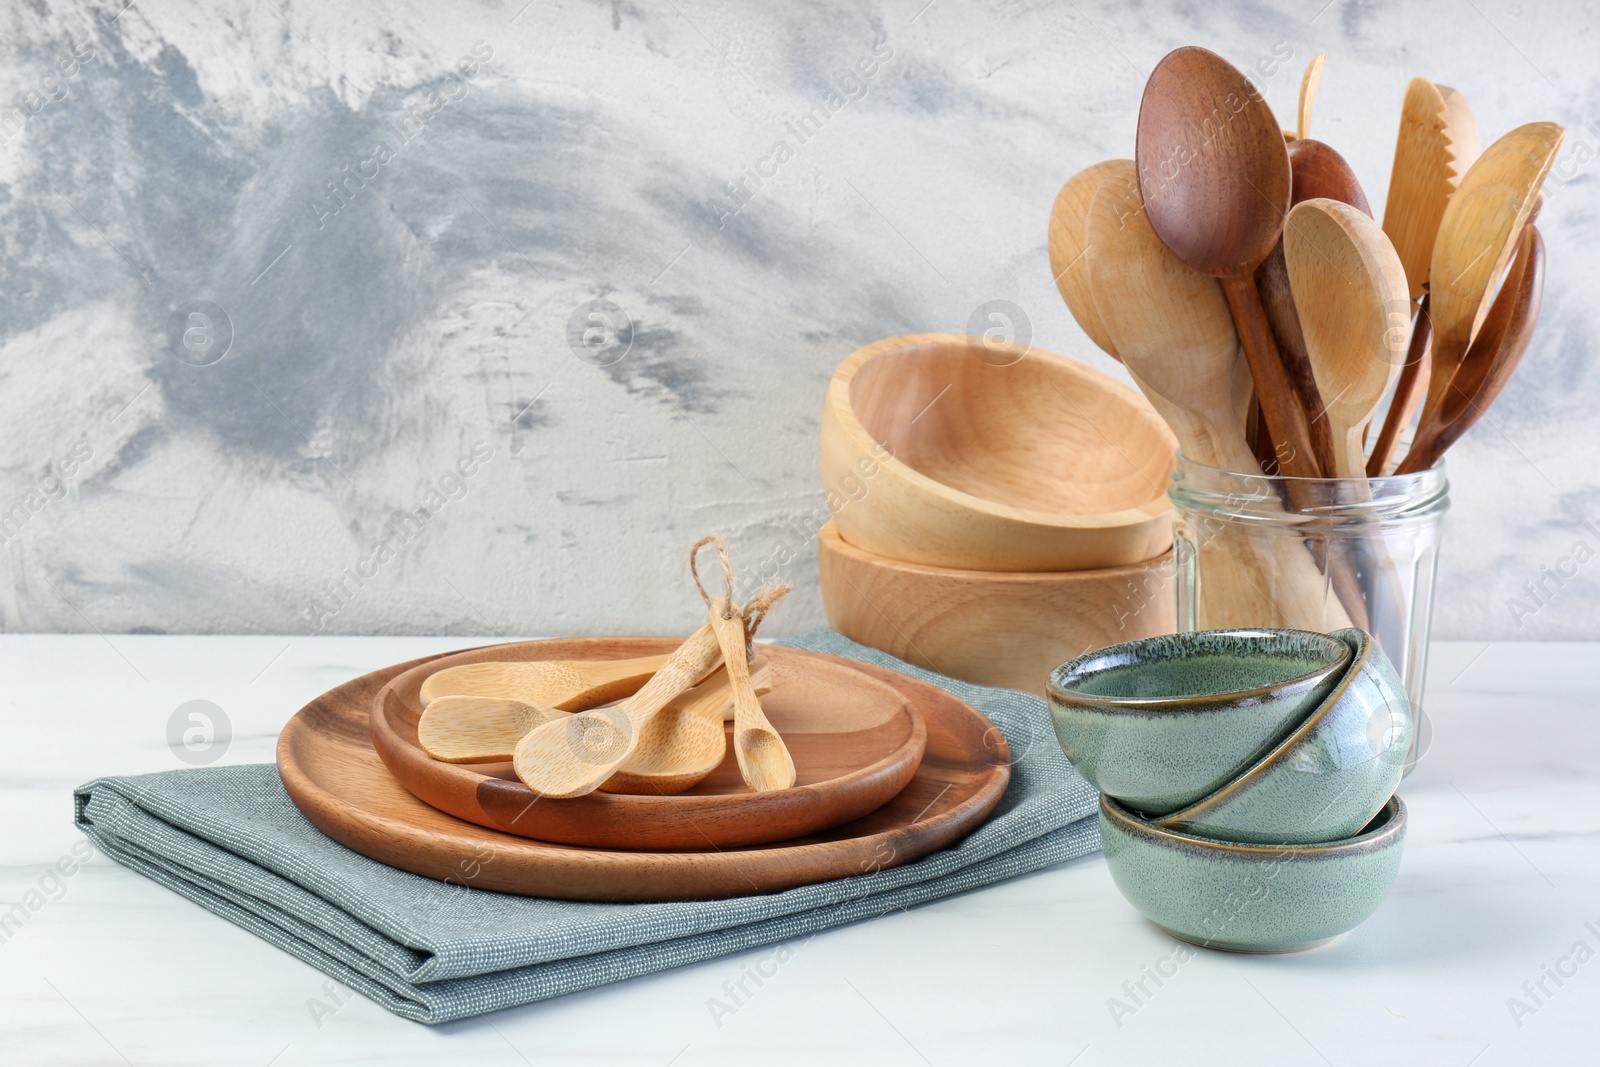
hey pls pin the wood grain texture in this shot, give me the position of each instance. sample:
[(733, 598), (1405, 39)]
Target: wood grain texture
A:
[(1477, 235), (1317, 172), (330, 769), (1493, 357), (461, 729), (1310, 81), (934, 455), (1176, 335), (1006, 630), (563, 686), (1069, 248), (1215, 180), (763, 758), (1426, 170), (573, 756), (856, 743), (1350, 290), (694, 742)]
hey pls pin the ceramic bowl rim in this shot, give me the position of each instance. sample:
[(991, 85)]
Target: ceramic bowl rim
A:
[(1312, 722), (1198, 701), (1390, 824)]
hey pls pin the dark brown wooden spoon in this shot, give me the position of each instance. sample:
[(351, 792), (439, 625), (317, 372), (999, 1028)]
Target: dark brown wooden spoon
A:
[(1215, 178), (1317, 172), (1494, 354)]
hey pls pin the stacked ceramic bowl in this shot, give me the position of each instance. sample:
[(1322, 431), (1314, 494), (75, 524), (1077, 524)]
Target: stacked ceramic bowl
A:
[(996, 508), (1248, 779)]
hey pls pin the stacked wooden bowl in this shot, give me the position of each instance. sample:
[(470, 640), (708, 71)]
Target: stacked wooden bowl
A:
[(997, 509)]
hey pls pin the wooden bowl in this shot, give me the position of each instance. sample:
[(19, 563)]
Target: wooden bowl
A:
[(984, 627), (856, 742), (940, 450)]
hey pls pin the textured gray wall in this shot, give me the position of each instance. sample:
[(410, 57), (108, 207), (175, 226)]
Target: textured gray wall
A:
[(224, 382)]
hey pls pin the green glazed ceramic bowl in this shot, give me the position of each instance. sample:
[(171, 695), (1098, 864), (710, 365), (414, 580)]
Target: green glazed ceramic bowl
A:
[(1329, 777), (1162, 722), (1251, 898)]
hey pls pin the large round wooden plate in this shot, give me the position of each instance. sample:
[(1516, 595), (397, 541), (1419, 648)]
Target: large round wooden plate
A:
[(334, 775), (856, 742)]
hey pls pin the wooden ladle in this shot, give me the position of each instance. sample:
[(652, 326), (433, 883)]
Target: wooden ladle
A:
[(1350, 290), (565, 685), (1493, 356), (1069, 251), (1477, 234), (1215, 179)]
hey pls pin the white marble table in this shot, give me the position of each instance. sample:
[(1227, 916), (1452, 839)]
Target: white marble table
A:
[(1500, 886)]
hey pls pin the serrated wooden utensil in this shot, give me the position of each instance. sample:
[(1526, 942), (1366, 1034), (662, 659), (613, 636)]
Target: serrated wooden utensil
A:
[(1350, 289), (1069, 252), (1437, 142)]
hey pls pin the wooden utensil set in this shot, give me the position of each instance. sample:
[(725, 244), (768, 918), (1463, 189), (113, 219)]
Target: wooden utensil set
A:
[(1228, 236)]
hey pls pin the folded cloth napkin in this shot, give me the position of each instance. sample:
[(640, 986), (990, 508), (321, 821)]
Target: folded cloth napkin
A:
[(230, 839)]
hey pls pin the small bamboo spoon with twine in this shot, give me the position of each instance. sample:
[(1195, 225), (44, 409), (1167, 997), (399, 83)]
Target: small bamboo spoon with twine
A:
[(764, 759)]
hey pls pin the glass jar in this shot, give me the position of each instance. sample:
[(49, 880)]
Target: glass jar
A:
[(1312, 554)]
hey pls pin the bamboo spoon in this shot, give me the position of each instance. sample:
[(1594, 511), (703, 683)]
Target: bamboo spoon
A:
[(764, 759), (466, 729), (1317, 172), (1177, 339), (572, 756), (1218, 202), (1477, 234), (686, 742), (1492, 357), (1309, 81), (1438, 141), (1350, 289), (565, 685), (1069, 251)]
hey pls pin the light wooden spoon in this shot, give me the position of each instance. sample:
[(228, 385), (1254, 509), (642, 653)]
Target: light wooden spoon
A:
[(1350, 290), (565, 685), (1173, 328), (1493, 356), (1069, 251), (764, 759), (687, 741), (571, 757), (1176, 335), (1309, 81), (1477, 234), (462, 729)]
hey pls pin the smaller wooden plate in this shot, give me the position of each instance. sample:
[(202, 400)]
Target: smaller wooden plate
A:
[(856, 742)]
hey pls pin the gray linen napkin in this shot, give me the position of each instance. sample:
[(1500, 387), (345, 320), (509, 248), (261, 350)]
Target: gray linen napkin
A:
[(230, 839)]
